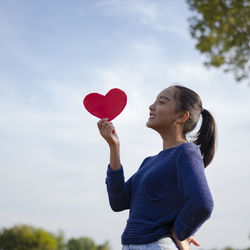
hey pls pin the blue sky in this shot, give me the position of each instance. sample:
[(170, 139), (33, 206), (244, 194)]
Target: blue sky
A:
[(53, 161)]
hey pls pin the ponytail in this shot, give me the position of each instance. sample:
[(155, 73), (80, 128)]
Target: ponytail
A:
[(206, 137), (188, 100)]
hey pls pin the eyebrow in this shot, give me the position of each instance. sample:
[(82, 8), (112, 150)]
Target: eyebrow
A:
[(164, 97)]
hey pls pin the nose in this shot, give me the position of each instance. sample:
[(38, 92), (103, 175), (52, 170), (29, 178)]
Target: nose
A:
[(151, 107)]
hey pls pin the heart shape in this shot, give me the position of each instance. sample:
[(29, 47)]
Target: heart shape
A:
[(108, 106)]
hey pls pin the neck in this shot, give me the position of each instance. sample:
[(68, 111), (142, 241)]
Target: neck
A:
[(171, 144), (172, 139)]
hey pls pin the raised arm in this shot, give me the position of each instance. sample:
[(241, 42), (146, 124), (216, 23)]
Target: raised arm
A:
[(118, 190), (108, 132)]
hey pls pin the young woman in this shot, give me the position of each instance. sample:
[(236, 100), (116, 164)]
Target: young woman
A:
[(168, 197)]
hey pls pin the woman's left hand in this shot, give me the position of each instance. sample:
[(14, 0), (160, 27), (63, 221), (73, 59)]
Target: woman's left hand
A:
[(185, 244)]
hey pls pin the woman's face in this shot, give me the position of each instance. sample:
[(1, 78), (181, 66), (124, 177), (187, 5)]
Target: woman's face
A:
[(162, 111)]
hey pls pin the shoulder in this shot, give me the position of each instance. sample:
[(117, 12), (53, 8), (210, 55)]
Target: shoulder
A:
[(190, 153), (145, 161), (188, 148)]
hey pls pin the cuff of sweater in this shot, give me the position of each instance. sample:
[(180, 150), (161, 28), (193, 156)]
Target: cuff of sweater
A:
[(181, 230), (115, 180)]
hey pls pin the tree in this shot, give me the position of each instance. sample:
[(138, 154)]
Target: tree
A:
[(105, 246), (61, 242), (222, 31), (85, 243), (24, 237), (82, 243)]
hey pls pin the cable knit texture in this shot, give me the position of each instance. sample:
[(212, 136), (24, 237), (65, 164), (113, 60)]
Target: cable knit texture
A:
[(168, 190)]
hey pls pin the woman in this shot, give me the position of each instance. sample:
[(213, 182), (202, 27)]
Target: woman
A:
[(168, 197)]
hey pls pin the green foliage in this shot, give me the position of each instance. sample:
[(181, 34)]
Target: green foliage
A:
[(222, 31), (61, 242), (105, 246), (85, 243), (228, 248), (26, 237), (82, 243)]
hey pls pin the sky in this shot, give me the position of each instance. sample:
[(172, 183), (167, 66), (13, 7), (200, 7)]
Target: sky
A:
[(53, 160)]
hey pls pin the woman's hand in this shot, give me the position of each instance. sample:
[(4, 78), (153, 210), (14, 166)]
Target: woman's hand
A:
[(185, 244), (107, 130)]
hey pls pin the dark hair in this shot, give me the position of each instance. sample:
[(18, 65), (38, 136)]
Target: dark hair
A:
[(188, 100)]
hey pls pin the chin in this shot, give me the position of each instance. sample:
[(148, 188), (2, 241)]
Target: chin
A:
[(149, 124)]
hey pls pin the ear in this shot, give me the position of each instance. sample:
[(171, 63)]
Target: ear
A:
[(182, 116)]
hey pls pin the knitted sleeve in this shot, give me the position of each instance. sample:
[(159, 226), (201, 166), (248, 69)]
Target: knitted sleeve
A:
[(119, 191), (193, 184)]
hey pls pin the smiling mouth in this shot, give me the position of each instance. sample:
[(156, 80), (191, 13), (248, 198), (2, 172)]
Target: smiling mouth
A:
[(151, 116)]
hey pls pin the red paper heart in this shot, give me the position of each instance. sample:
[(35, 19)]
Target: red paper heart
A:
[(108, 106)]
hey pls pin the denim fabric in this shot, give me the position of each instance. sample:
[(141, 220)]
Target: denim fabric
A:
[(162, 244)]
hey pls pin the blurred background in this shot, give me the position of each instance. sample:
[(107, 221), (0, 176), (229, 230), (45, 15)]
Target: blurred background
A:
[(53, 161)]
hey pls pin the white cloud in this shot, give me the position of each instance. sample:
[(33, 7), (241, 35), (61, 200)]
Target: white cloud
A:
[(159, 16), (144, 9)]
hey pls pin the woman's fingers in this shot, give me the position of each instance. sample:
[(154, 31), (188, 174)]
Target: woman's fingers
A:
[(106, 128), (108, 132), (195, 242), (101, 123), (104, 125)]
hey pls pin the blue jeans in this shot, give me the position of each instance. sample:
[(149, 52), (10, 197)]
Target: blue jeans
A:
[(162, 244)]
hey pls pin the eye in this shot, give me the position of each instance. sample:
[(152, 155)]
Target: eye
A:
[(161, 102)]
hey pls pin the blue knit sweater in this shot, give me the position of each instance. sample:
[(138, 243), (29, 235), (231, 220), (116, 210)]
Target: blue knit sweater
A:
[(168, 190)]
